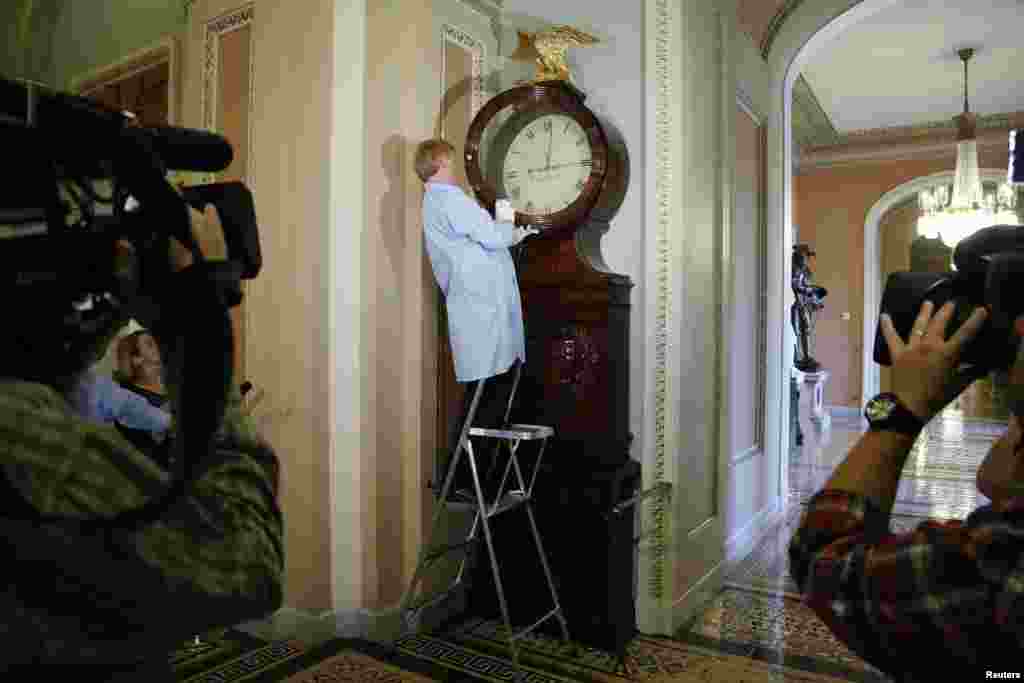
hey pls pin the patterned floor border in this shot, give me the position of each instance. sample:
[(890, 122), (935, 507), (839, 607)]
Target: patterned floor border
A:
[(689, 657), (250, 664)]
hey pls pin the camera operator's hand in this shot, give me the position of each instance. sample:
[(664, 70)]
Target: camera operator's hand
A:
[(924, 368), (208, 234)]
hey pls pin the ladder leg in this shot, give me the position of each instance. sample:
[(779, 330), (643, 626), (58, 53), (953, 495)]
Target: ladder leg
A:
[(547, 571), (410, 591), (482, 504), (512, 394), (496, 449), (467, 423)]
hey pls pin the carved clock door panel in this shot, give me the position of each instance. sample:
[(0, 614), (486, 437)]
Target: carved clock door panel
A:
[(219, 96)]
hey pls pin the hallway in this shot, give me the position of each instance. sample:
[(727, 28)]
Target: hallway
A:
[(759, 614)]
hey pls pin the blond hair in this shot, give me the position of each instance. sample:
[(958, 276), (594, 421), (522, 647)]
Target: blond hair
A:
[(429, 154)]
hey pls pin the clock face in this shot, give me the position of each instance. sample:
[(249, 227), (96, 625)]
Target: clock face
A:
[(547, 165)]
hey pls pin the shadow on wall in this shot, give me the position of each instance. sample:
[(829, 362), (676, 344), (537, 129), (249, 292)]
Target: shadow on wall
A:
[(393, 159)]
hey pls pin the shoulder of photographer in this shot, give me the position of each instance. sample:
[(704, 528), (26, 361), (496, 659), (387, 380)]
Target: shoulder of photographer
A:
[(213, 559), (886, 595)]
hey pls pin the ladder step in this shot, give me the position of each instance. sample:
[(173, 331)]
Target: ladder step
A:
[(526, 631), (515, 432), (423, 603), (445, 549), (509, 501)]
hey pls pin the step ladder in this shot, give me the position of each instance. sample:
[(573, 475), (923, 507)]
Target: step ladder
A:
[(518, 495)]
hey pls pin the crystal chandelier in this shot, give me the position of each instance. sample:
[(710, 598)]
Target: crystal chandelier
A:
[(967, 193)]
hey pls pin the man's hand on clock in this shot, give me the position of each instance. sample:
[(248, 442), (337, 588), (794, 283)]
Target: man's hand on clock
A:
[(924, 368), (519, 234)]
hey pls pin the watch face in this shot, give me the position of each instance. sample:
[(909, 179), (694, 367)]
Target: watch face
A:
[(879, 408), (547, 165)]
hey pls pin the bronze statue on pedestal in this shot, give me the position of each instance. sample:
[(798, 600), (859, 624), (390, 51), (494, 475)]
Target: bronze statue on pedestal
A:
[(809, 299)]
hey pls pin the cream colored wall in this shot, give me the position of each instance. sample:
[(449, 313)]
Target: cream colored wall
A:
[(287, 337), (404, 96), (287, 305)]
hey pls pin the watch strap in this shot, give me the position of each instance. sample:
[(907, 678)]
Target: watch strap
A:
[(900, 419)]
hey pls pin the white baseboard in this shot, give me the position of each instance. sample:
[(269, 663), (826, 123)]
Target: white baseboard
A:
[(742, 543), (312, 628), (847, 412), (290, 623), (385, 625), (700, 594)]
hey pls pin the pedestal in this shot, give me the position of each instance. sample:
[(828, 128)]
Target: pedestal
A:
[(796, 433), (819, 416)]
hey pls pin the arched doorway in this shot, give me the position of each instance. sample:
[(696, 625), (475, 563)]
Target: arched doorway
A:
[(873, 284), (809, 27)]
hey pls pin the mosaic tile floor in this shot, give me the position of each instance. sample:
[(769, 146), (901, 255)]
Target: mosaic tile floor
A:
[(759, 614)]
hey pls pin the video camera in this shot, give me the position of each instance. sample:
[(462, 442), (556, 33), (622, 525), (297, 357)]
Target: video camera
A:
[(989, 272), (57, 231), (82, 177)]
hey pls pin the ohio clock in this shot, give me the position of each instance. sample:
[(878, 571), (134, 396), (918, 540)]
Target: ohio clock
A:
[(559, 163)]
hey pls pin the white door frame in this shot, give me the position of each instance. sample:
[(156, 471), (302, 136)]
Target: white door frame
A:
[(808, 28)]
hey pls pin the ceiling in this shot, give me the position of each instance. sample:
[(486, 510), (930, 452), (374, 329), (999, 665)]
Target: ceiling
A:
[(899, 67)]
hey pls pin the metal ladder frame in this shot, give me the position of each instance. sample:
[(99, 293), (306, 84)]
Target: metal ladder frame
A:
[(514, 435)]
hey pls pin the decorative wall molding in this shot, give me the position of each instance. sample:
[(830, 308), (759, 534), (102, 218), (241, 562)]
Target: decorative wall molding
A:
[(776, 23), (488, 9), (665, 206), (214, 31), (473, 45), (946, 127), (744, 102), (812, 126)]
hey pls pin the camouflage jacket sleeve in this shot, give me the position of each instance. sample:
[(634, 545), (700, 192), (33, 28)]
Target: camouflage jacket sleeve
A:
[(214, 559)]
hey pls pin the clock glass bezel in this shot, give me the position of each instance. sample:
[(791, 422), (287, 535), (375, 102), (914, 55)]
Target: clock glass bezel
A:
[(531, 102)]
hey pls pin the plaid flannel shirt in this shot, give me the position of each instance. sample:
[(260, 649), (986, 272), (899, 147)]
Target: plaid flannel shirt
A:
[(101, 599), (946, 599)]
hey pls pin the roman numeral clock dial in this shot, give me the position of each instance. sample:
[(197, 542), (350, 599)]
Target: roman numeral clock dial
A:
[(564, 168), (547, 165)]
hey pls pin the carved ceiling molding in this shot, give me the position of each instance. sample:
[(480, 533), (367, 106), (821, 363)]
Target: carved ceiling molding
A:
[(776, 23), (936, 146), (811, 125), (925, 130), (488, 9)]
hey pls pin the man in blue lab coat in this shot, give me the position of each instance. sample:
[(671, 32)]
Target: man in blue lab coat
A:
[(469, 254)]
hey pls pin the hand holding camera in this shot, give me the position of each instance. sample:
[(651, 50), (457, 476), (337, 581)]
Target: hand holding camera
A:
[(925, 373)]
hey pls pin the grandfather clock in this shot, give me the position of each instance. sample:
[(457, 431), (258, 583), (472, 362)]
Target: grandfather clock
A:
[(565, 170)]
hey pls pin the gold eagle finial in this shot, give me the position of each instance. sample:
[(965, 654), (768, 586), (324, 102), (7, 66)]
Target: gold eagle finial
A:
[(551, 46)]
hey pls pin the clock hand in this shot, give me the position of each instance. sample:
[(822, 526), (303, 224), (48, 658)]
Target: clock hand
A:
[(551, 134), (551, 168)]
